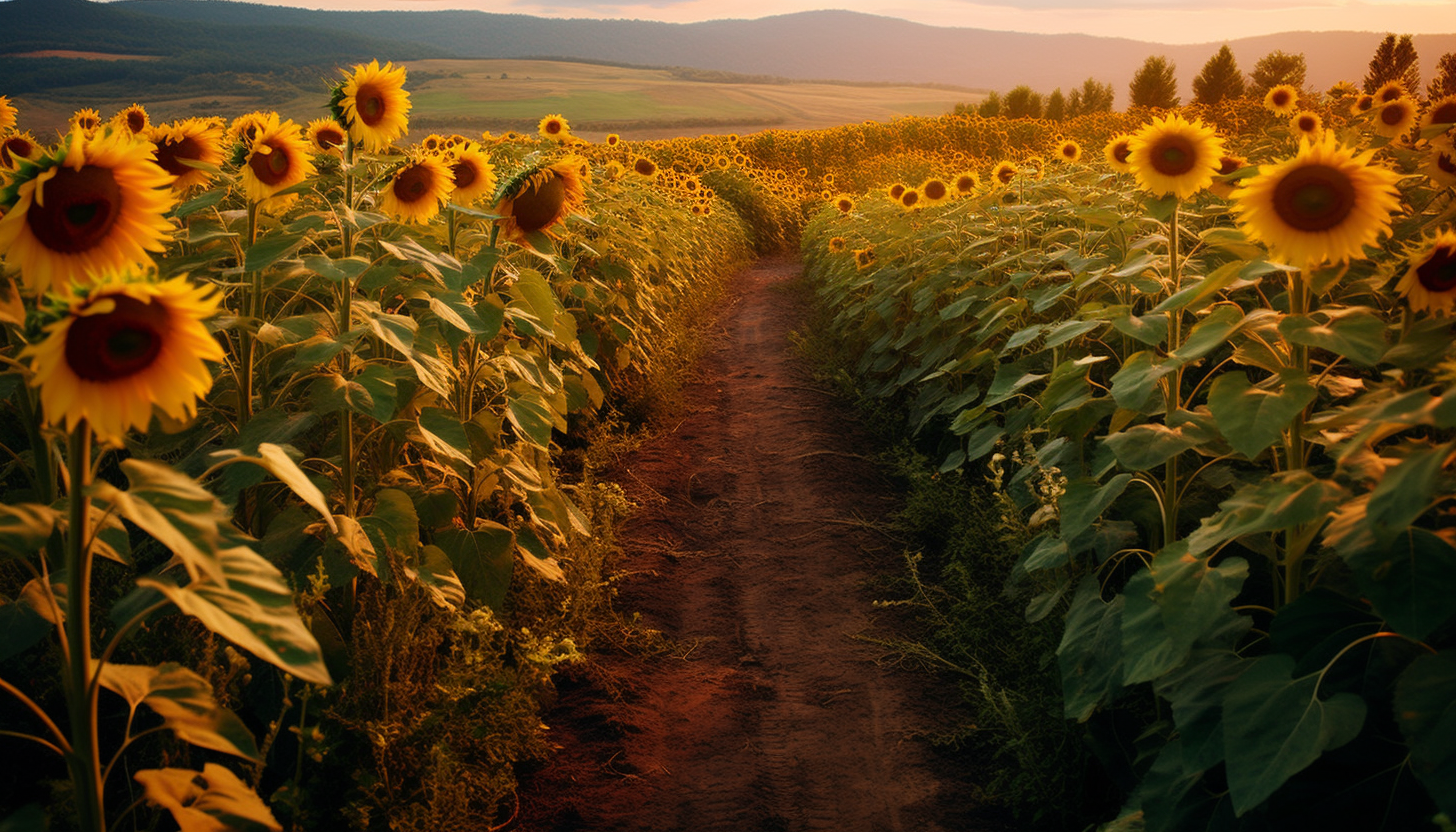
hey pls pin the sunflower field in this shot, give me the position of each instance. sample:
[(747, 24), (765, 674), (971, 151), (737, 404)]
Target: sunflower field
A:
[(299, 424)]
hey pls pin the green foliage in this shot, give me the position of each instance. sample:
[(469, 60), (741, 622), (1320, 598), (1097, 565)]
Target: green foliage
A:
[(1092, 97), (1154, 84), (1277, 67), (1021, 102), (1444, 82), (1219, 79)]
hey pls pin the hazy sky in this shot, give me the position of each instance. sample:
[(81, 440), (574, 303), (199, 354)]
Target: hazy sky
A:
[(1164, 21)]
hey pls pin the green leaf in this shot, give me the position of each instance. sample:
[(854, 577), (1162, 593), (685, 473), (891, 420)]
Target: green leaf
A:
[(271, 249), (373, 392), (1425, 709), (211, 800), (1144, 447), (354, 540), (484, 561), (1172, 605), (203, 201), (452, 309), (1084, 501), (175, 510), (1411, 582), (23, 624), (185, 702), (25, 528), (1009, 380), (1195, 692), (393, 525), (1253, 418), (335, 271), (434, 573), (1275, 726), (492, 313), (1405, 492), (1150, 329), (1286, 500), (1355, 332), (1135, 383), (532, 288), (1211, 332), (444, 434), (529, 412), (1090, 654), (282, 466)]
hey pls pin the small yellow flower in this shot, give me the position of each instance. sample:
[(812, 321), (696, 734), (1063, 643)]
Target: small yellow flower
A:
[(1282, 99)]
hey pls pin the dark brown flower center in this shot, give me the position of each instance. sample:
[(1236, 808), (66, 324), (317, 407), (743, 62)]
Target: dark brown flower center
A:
[(1306, 124), (553, 127), (964, 184), (844, 206), (15, 147), (1446, 162), (114, 345), (538, 206), (1364, 102), (1280, 98), (896, 191), (644, 167), (1393, 114), (1314, 198), (81, 206), (271, 168), (1444, 114), (1390, 94), (170, 154), (1003, 175), (464, 174), (369, 102), (1438, 272), (1069, 151), (136, 121), (935, 189), (329, 138), (1229, 164), (1121, 151), (413, 184), (1173, 155), (909, 198)]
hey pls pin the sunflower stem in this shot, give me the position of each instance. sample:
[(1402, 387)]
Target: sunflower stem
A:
[(251, 306), (1296, 537), (44, 474), (450, 232), (346, 319), (84, 759), (1174, 390)]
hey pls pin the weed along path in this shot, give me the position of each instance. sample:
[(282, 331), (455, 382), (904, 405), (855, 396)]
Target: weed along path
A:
[(750, 552)]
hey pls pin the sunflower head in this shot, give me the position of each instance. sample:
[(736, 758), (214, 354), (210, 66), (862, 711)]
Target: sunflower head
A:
[(837, 244), (245, 128), (644, 167), (7, 114), (1441, 163), (896, 191), (471, 173), (934, 191), (911, 199), (1306, 123), (1282, 99), (1362, 104), (326, 136), (1389, 91), (133, 120), (864, 257), (184, 145), (85, 120), (613, 140), (1174, 156), (417, 189), (967, 182), (277, 159), (1069, 151), (1116, 152), (1323, 205), (1224, 182), (614, 169), (1429, 283), (1004, 172), (541, 197), (1394, 117), (17, 147), (121, 346), (373, 105), (1439, 113), (96, 202), (553, 126)]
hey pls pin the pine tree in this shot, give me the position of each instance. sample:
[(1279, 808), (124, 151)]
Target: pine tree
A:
[(1056, 106), (1394, 60), (1277, 67), (1219, 79), (1444, 83), (1154, 85), (1093, 97), (1021, 102)]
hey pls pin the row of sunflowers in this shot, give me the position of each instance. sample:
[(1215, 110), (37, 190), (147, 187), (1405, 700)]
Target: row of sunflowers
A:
[(1208, 376), (325, 394)]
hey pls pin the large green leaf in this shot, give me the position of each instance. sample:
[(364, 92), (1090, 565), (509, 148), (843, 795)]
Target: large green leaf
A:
[(1355, 333), (25, 528), (394, 524), (1172, 605), (1411, 581), (1135, 383), (529, 412), (1253, 418), (175, 510), (1084, 500), (1280, 502), (1275, 726), (484, 561), (25, 621), (444, 434), (185, 702), (1195, 691), (271, 249), (1209, 333), (1425, 709), (1090, 654), (212, 800), (1405, 492), (433, 571), (1144, 447), (532, 288)]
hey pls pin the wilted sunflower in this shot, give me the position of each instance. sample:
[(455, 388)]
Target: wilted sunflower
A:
[(1441, 163), (7, 114), (1069, 151), (1306, 123), (133, 120), (1174, 156), (837, 244), (326, 135), (1282, 99), (1439, 112), (121, 347), (472, 174), (1004, 172), (644, 167), (95, 203), (17, 147), (541, 197), (198, 140), (1116, 152), (967, 182), (864, 257), (1429, 285), (896, 191), (1395, 117), (1389, 91), (934, 191), (1324, 204), (85, 120), (1362, 104), (910, 199), (417, 190), (277, 160), (553, 127), (373, 105)]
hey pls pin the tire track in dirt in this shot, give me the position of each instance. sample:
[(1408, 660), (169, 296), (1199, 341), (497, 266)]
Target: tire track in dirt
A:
[(750, 548)]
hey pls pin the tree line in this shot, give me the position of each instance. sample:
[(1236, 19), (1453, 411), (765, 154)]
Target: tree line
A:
[(1155, 84)]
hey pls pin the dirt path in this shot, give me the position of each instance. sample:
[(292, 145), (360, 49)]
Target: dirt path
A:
[(749, 549)]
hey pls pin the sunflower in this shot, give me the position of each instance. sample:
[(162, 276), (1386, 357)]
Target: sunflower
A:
[(1116, 152), (967, 182), (864, 257), (1439, 112), (1395, 117), (1069, 151), (1362, 104), (133, 119), (417, 190), (326, 135), (1324, 204), (1389, 91), (472, 174), (16, 147), (276, 160), (896, 191), (7, 114), (1306, 123), (1441, 163), (614, 169), (541, 197), (837, 244), (373, 105), (97, 202), (644, 167), (553, 127), (1223, 183), (198, 140), (1282, 99), (1004, 172), (934, 191), (1429, 285), (613, 140), (245, 128), (1034, 165), (432, 144), (910, 199), (85, 120), (1174, 156), (122, 346)]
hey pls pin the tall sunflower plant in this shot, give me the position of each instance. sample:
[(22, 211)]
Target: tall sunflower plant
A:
[(1233, 421)]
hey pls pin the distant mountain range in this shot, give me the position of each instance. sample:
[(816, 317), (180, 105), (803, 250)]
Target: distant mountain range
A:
[(822, 45)]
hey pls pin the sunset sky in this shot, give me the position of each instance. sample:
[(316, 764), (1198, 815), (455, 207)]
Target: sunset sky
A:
[(1162, 21)]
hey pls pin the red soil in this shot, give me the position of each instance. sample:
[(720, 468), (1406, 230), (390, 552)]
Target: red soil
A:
[(751, 550)]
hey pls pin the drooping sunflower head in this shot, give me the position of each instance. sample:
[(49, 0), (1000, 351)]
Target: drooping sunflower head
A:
[(1325, 204), (1116, 152), (934, 191), (133, 119), (644, 167), (185, 145), (326, 135), (7, 114), (864, 257), (1395, 117), (1306, 123), (417, 189), (1440, 162), (553, 126), (96, 202), (967, 182), (1362, 104), (1004, 172), (122, 346), (471, 173), (18, 147), (277, 160), (1282, 99), (613, 140), (1441, 111), (896, 191), (837, 244), (373, 105), (911, 199), (1429, 284), (1389, 91), (1174, 156), (541, 197), (1069, 151)]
